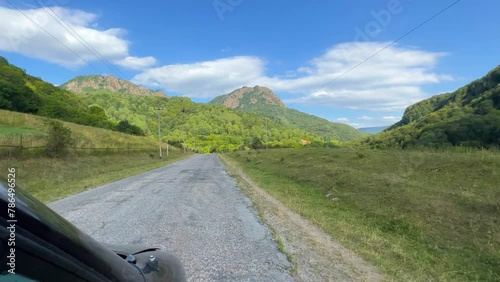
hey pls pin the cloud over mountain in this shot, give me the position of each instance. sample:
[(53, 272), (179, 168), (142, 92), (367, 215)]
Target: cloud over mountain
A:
[(341, 77)]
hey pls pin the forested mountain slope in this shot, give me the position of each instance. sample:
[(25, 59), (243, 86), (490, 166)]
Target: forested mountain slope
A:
[(469, 116), (24, 93)]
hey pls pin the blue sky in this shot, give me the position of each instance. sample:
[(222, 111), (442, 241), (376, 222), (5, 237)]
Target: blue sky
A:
[(206, 48)]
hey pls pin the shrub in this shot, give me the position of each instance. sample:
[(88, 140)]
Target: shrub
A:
[(58, 139)]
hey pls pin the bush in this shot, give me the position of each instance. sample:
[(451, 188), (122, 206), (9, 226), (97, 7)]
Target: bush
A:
[(58, 139), (126, 127)]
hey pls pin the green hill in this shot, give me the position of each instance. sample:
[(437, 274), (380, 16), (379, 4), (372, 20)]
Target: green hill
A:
[(24, 93), (469, 116), (263, 102), (34, 130)]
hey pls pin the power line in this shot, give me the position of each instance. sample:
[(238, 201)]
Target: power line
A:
[(389, 45), (85, 43), (80, 39), (51, 35)]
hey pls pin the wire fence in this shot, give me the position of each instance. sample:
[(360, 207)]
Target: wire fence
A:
[(19, 145)]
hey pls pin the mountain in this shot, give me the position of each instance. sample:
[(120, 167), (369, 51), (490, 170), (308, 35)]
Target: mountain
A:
[(110, 83), (247, 96), (373, 130), (469, 116), (263, 102)]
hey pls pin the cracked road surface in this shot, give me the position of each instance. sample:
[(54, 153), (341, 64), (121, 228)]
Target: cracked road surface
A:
[(192, 209)]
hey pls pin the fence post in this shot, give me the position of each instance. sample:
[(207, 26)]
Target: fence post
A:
[(21, 141)]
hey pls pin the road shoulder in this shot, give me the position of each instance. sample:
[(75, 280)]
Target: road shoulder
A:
[(315, 255)]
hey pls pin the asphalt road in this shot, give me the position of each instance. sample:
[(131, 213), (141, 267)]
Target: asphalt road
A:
[(191, 208)]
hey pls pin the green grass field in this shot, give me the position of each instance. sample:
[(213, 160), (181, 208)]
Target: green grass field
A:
[(416, 215), (11, 130)]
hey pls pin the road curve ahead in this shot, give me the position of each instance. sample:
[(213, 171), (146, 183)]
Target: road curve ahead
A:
[(191, 208)]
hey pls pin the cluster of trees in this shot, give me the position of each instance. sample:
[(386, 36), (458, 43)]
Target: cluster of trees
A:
[(469, 116), (299, 120), (21, 92)]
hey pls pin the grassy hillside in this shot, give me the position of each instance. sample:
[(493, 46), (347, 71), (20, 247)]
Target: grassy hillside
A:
[(201, 127), (469, 116), (33, 129), (417, 215)]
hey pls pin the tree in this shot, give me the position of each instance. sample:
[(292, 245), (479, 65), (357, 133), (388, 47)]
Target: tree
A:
[(18, 98), (256, 143), (496, 99), (58, 139)]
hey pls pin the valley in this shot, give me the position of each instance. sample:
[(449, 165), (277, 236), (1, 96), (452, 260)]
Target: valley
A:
[(419, 200), (253, 140)]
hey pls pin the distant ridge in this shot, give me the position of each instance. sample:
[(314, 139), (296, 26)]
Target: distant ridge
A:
[(373, 130), (110, 83)]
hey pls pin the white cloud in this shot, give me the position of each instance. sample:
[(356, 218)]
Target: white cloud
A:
[(389, 81), (205, 79), (136, 63), (375, 121), (20, 35), (343, 119), (365, 118), (381, 99), (391, 118)]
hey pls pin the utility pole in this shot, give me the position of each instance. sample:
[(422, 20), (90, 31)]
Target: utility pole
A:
[(184, 142), (267, 138), (159, 131)]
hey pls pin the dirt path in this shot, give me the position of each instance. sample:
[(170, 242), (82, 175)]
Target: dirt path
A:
[(315, 255)]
